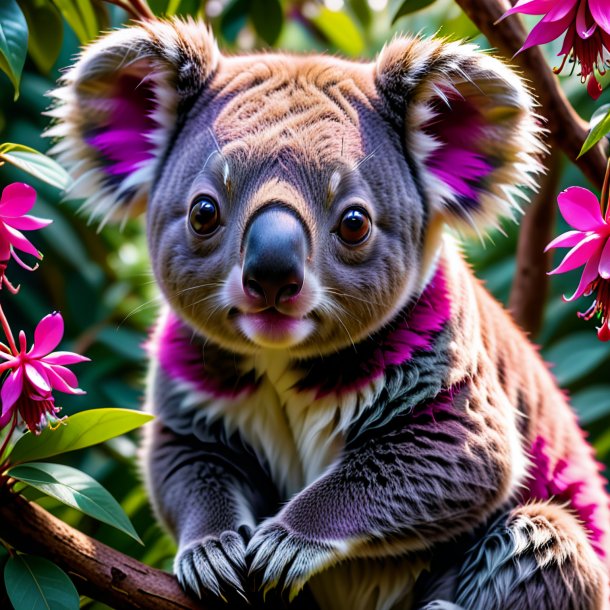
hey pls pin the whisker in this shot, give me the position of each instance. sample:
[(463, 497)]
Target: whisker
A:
[(156, 299)]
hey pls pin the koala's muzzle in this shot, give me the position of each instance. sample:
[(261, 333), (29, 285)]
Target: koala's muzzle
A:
[(275, 249)]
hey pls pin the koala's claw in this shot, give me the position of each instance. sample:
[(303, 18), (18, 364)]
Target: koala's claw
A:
[(280, 559), (214, 566)]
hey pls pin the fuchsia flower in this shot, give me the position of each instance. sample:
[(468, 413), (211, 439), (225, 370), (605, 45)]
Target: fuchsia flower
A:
[(16, 201), (35, 373), (586, 24), (589, 245)]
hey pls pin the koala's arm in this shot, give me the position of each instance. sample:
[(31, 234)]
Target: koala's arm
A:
[(209, 492), (435, 474)]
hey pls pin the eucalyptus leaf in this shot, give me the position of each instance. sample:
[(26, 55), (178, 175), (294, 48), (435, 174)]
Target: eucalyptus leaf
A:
[(46, 32), (34, 583), (575, 356), (600, 126), (233, 19), (410, 6), (592, 403), (76, 489), (80, 430), (340, 30), (267, 18), (80, 17), (35, 163), (13, 41)]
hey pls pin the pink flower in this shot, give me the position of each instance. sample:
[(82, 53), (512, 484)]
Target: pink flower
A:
[(35, 373), (586, 24), (589, 245), (16, 201)]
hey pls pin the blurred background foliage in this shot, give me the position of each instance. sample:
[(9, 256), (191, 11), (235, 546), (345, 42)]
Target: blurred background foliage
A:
[(101, 281)]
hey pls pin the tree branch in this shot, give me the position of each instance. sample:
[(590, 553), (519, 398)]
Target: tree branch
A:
[(531, 282), (567, 132), (96, 570)]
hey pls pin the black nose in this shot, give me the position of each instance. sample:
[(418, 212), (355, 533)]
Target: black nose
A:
[(275, 248)]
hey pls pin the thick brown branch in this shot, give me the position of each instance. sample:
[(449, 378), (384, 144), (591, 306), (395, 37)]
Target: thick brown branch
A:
[(530, 285), (97, 570), (567, 130)]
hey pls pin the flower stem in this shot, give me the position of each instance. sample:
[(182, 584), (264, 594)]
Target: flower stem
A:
[(7, 332)]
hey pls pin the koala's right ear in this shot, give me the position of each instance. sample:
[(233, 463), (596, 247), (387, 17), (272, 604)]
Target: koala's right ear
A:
[(118, 106)]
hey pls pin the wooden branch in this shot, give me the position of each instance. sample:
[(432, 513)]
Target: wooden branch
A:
[(567, 130), (531, 282), (96, 570)]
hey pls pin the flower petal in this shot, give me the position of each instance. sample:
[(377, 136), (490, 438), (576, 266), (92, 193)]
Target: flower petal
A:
[(580, 208), (63, 379), (581, 22), (594, 89), (17, 199), (65, 358), (546, 30), (19, 241), (5, 246), (604, 262), (566, 240), (531, 7), (601, 13), (37, 377), (6, 417), (580, 254), (588, 275), (47, 335), (11, 389), (27, 223)]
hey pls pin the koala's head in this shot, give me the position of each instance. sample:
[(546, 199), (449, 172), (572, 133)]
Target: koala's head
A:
[(292, 201)]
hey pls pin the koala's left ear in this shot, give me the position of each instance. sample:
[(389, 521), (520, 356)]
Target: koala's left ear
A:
[(469, 125), (119, 105)]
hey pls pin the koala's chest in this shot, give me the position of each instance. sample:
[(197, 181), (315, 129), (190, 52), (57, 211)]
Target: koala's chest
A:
[(297, 433)]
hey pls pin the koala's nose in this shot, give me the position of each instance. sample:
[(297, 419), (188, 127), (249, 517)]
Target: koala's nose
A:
[(275, 248)]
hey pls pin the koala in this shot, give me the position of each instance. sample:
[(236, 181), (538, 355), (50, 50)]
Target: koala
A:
[(345, 418)]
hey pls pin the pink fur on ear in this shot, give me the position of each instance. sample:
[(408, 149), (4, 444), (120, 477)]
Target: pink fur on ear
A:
[(469, 125), (118, 106)]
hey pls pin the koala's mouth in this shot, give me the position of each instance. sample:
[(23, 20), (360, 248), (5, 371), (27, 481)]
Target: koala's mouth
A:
[(272, 328)]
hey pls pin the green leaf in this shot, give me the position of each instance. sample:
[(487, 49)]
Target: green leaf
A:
[(233, 19), (36, 164), (410, 6), (576, 356), (34, 583), (340, 30), (13, 41), (46, 32), (76, 489), (267, 18), (592, 404), (80, 430), (80, 17), (600, 126)]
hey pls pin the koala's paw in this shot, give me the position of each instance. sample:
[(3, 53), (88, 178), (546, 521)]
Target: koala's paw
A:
[(283, 561), (214, 568)]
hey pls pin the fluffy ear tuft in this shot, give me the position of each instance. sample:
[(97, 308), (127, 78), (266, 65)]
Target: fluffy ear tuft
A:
[(469, 123), (118, 106)]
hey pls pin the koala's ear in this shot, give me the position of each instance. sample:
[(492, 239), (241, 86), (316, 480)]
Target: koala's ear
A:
[(118, 106), (469, 125)]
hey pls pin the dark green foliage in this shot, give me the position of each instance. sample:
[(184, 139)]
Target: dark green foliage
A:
[(102, 284)]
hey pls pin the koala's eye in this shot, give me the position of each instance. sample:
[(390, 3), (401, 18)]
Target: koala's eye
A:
[(355, 226), (204, 216)]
